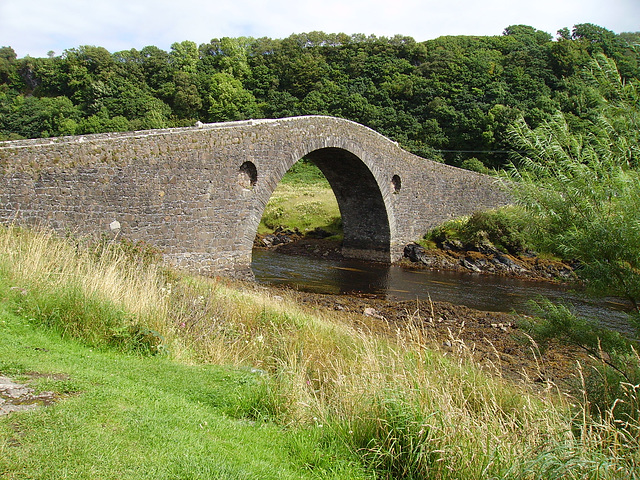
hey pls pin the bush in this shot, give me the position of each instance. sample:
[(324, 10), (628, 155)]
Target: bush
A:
[(474, 165), (610, 385), (503, 228)]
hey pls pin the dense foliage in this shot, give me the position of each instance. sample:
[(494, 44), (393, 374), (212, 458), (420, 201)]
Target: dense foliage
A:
[(582, 195), (451, 98)]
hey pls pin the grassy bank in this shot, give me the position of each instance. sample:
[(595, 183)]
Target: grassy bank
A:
[(303, 200), (163, 375), (128, 417)]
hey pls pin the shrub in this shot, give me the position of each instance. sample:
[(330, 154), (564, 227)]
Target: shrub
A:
[(504, 228)]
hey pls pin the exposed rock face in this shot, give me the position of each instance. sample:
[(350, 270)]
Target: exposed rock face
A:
[(15, 397), (488, 260)]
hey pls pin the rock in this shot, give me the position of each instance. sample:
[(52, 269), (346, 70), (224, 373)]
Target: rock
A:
[(487, 248), (15, 397), (485, 258), (452, 245), (466, 263), (507, 263), (268, 240), (318, 232), (414, 252), (372, 312), (274, 239), (282, 239), (8, 389)]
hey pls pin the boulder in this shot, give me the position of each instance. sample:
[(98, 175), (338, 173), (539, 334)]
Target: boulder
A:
[(470, 265), (415, 253), (452, 245)]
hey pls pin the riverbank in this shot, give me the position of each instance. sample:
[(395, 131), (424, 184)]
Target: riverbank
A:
[(488, 260), (492, 340), (485, 260), (311, 386)]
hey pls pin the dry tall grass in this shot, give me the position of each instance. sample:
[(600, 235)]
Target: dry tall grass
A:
[(407, 410)]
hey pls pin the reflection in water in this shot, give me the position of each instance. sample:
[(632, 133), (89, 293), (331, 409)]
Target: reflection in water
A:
[(483, 292)]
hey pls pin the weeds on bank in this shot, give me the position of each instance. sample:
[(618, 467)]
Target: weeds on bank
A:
[(104, 299), (502, 228), (405, 410)]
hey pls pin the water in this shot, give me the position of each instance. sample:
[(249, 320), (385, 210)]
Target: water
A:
[(482, 292)]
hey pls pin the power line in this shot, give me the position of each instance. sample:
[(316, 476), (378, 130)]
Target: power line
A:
[(474, 151)]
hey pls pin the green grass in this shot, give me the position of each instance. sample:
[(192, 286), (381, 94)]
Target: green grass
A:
[(124, 416), (166, 375), (303, 200)]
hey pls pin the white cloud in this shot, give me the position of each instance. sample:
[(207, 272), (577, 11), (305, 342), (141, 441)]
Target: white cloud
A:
[(123, 24)]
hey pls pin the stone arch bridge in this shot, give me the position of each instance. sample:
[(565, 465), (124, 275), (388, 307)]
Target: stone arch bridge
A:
[(198, 193)]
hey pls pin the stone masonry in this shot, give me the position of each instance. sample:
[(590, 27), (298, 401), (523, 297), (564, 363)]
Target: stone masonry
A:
[(198, 193)]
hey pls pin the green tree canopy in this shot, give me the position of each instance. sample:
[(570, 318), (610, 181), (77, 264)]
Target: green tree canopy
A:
[(451, 98)]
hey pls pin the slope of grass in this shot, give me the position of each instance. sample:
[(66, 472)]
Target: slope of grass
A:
[(124, 416), (303, 200), (183, 377)]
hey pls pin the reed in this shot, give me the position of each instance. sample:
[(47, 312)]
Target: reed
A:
[(406, 409)]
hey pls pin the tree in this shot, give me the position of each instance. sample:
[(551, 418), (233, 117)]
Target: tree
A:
[(227, 55), (33, 117), (7, 64), (582, 191), (228, 100), (184, 56)]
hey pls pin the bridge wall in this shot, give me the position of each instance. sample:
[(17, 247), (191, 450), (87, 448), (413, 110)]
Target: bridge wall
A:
[(199, 193)]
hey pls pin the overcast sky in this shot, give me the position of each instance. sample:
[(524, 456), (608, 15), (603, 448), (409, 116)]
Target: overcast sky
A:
[(35, 27)]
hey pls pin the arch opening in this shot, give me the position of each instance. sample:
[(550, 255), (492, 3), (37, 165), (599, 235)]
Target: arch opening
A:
[(366, 230), (247, 175), (367, 234), (303, 205)]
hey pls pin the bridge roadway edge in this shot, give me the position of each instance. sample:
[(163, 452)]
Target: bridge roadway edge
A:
[(198, 193)]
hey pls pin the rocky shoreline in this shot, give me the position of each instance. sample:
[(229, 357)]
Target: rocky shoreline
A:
[(449, 256), (492, 339), (487, 259)]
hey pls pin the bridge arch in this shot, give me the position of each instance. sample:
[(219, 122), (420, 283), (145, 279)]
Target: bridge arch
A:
[(198, 193), (367, 215)]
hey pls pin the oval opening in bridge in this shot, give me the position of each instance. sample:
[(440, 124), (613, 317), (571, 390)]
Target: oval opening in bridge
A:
[(396, 183), (248, 175)]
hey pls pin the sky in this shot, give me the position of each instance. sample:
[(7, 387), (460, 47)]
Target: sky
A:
[(36, 27)]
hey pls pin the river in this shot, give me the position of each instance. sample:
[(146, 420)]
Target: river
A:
[(482, 292)]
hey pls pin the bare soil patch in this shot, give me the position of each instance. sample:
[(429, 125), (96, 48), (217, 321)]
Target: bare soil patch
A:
[(17, 397)]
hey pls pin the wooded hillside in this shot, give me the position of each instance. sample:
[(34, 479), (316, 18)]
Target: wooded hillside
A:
[(449, 99)]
